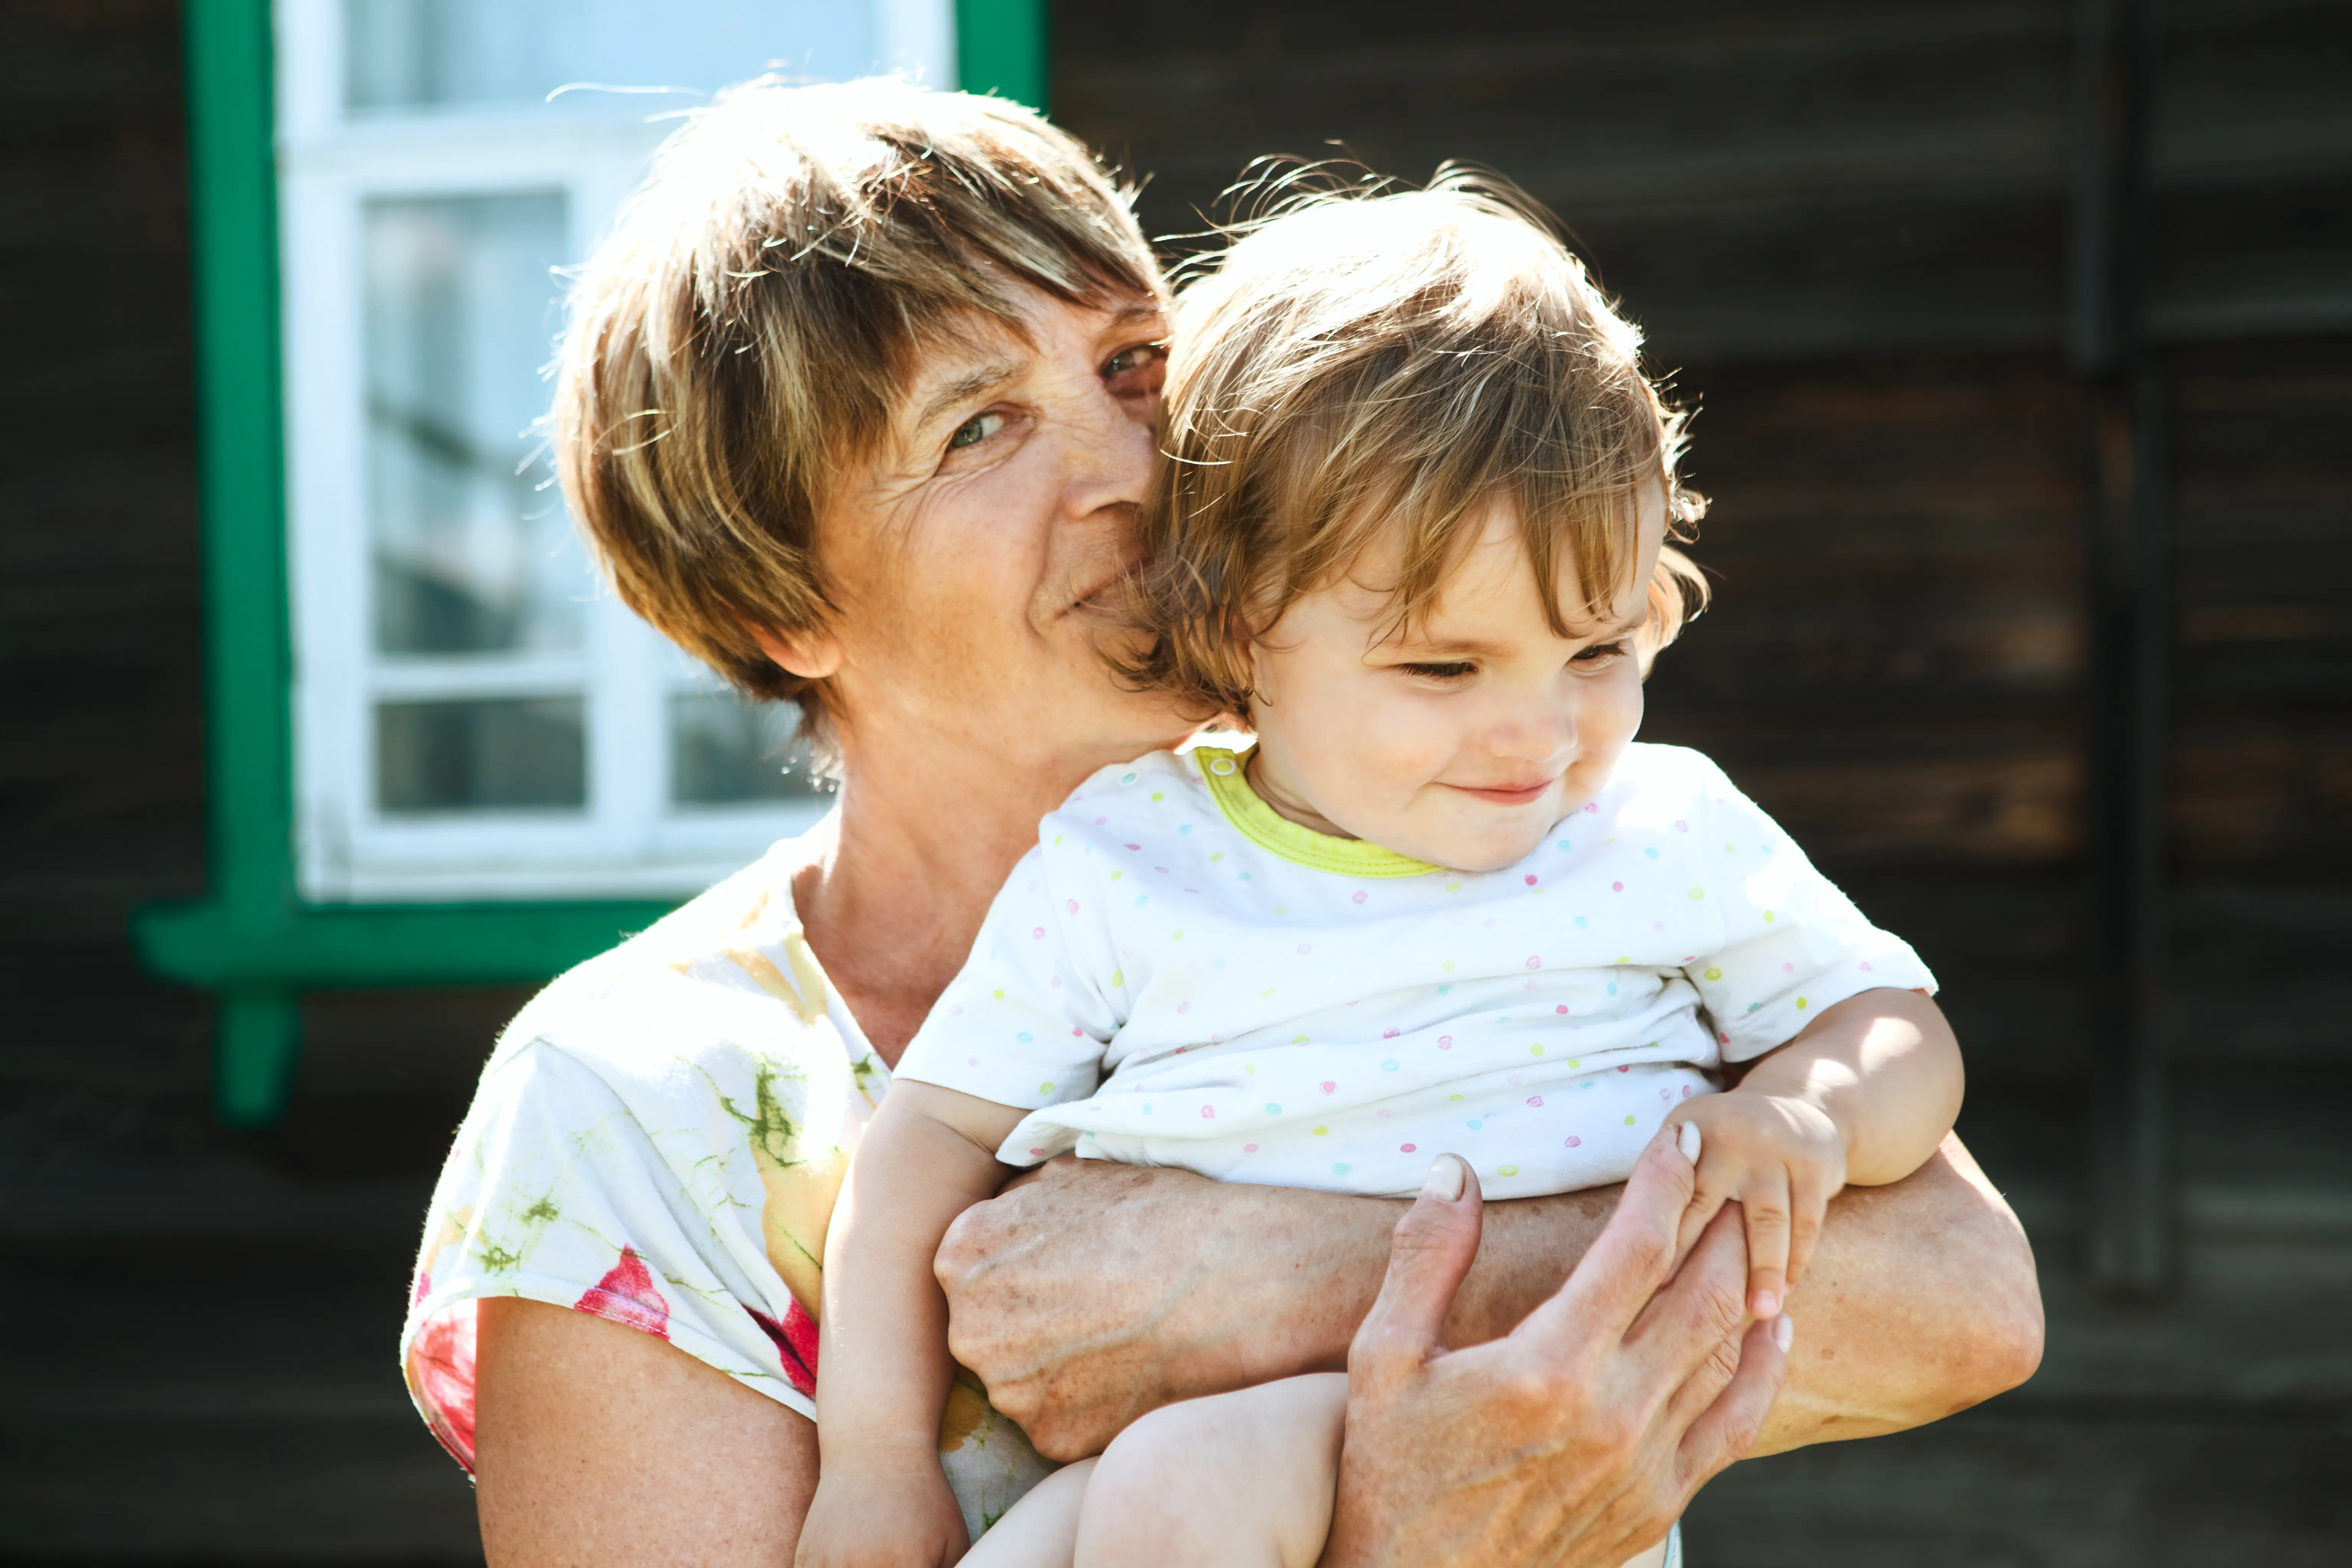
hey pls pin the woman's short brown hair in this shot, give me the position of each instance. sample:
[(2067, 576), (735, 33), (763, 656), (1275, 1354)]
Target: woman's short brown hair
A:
[(749, 326), (1376, 370)]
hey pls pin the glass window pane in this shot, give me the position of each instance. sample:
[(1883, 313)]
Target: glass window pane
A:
[(500, 754), (471, 554), (410, 54), (724, 750)]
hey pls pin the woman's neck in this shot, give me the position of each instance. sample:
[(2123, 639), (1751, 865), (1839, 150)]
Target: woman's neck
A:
[(893, 896)]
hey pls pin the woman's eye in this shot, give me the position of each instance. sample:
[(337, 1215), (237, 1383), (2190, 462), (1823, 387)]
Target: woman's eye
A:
[(975, 430), (1142, 357)]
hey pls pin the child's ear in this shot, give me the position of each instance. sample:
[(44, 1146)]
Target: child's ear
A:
[(812, 655)]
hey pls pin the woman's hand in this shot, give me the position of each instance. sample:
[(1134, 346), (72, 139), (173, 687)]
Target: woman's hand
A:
[(883, 1515), (1575, 1441)]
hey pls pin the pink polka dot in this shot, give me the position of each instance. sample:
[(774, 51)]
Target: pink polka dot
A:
[(1535, 1099), (1183, 1006), (1574, 1142), (1135, 847), (1657, 925), (973, 1061), (1360, 896), (1663, 1095), (1625, 1070), (1865, 964), (1208, 1113), (1038, 934), (1616, 887), (1534, 962), (1722, 1038), (1384, 1115), (1037, 1152), (1249, 1148), (1405, 1148), (1561, 1008), (1685, 1091), (1389, 1033), (1329, 1088), (1445, 1042), (1305, 948), (1788, 969), (1682, 827), (1592, 806), (1531, 878)]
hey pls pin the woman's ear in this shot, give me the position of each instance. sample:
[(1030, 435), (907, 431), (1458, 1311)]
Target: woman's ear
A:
[(811, 655)]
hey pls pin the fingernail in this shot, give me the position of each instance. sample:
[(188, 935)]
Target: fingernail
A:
[(1688, 1141), (1444, 1179), (1766, 1305), (1784, 1330)]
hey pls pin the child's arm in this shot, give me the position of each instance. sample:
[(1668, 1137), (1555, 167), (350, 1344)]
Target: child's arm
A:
[(882, 1500), (1863, 1096)]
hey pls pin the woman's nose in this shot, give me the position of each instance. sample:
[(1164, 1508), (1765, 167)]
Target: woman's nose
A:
[(1109, 457)]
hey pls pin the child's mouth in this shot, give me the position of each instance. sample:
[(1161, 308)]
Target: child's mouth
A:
[(1508, 795)]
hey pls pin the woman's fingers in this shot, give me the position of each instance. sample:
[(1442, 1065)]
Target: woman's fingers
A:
[(1764, 1199), (1707, 1191), (1728, 1428), (1691, 1325), (1435, 1243), (1634, 1252)]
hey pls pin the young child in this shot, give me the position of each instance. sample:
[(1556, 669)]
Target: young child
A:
[(1413, 528)]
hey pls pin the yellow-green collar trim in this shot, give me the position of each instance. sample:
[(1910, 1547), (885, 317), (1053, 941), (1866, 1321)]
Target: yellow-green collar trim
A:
[(1228, 780)]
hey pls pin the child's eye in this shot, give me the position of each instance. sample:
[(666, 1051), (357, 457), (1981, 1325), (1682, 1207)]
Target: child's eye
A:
[(975, 430), (1599, 653), (1455, 669)]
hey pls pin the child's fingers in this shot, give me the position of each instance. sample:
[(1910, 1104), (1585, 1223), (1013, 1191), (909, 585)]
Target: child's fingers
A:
[(1809, 1203), (1764, 1196)]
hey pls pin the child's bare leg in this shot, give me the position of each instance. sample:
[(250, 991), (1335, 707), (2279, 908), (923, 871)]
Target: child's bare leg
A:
[(1237, 1480), (1041, 1530)]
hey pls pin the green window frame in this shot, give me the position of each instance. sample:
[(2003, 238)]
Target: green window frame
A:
[(253, 941)]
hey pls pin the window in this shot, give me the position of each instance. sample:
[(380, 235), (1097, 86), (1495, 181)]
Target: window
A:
[(474, 716)]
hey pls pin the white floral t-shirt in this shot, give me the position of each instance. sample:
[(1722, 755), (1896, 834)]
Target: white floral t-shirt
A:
[(658, 1140), (1177, 975)]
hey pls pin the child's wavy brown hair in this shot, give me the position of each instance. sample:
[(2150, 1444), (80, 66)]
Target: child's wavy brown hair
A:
[(1363, 369)]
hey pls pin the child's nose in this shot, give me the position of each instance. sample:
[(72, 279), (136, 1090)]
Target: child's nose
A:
[(1535, 737)]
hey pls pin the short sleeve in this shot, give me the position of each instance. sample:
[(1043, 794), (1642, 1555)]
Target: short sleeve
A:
[(1026, 1022), (1792, 943)]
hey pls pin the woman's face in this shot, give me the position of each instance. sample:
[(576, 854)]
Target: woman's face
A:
[(969, 556)]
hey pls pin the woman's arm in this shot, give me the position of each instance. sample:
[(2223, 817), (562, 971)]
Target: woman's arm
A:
[(1092, 1293), (597, 1443)]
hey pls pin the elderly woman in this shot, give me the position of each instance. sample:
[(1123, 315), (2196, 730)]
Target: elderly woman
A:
[(857, 406)]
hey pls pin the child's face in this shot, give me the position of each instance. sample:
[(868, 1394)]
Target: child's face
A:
[(1463, 742)]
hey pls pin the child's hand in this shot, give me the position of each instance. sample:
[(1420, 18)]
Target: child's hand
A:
[(1783, 1160), (882, 1516)]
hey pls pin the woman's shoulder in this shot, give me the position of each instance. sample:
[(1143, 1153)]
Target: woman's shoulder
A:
[(729, 971)]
